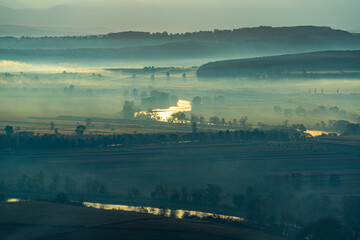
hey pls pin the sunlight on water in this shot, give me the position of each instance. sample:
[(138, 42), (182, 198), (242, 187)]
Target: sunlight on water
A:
[(164, 115), (165, 212), (11, 200), (315, 133)]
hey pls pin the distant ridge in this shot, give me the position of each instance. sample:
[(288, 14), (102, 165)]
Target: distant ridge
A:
[(19, 31), (159, 48), (254, 32), (247, 31), (261, 32)]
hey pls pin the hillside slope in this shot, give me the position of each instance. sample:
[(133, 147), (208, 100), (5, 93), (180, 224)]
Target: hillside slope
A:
[(42, 220), (283, 65)]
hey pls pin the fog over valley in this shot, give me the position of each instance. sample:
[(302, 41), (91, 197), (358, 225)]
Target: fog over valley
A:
[(179, 120)]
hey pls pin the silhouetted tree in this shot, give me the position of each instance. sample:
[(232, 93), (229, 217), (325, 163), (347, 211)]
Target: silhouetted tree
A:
[(9, 130), (317, 180), (52, 126), (103, 190), (88, 123), (62, 198), (70, 185), (178, 117), (300, 111), (184, 194), (135, 92), (2, 197), (296, 181), (277, 109), (160, 192), (213, 193), (54, 185), (129, 109), (215, 120), (196, 102), (238, 200), (326, 228), (334, 180), (184, 76), (193, 127), (235, 121), (174, 195), (351, 211), (243, 121), (134, 193), (219, 100), (80, 130), (71, 88)]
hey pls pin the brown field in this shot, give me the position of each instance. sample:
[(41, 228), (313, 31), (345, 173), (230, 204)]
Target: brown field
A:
[(41, 220)]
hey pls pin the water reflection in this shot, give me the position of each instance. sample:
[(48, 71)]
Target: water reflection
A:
[(316, 133), (165, 212), (11, 200), (165, 115)]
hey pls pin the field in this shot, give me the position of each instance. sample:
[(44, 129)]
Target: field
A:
[(41, 220), (232, 166), (30, 101)]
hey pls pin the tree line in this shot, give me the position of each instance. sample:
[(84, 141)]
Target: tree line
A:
[(27, 140)]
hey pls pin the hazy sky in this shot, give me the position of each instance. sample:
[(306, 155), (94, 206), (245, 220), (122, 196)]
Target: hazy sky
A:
[(185, 15)]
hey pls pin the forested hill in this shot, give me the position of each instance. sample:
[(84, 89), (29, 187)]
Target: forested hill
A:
[(195, 48), (263, 32), (315, 64), (298, 35)]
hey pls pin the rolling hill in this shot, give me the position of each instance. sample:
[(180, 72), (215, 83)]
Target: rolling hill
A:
[(289, 65)]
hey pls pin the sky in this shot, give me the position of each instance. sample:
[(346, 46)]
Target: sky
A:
[(181, 16)]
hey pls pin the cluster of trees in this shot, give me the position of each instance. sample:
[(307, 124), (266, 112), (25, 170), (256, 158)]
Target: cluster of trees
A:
[(155, 99), (277, 204), (344, 127), (69, 90), (178, 117), (325, 228), (37, 183), (341, 126), (211, 194), (324, 111), (129, 109), (158, 99), (240, 123), (274, 204), (200, 102)]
